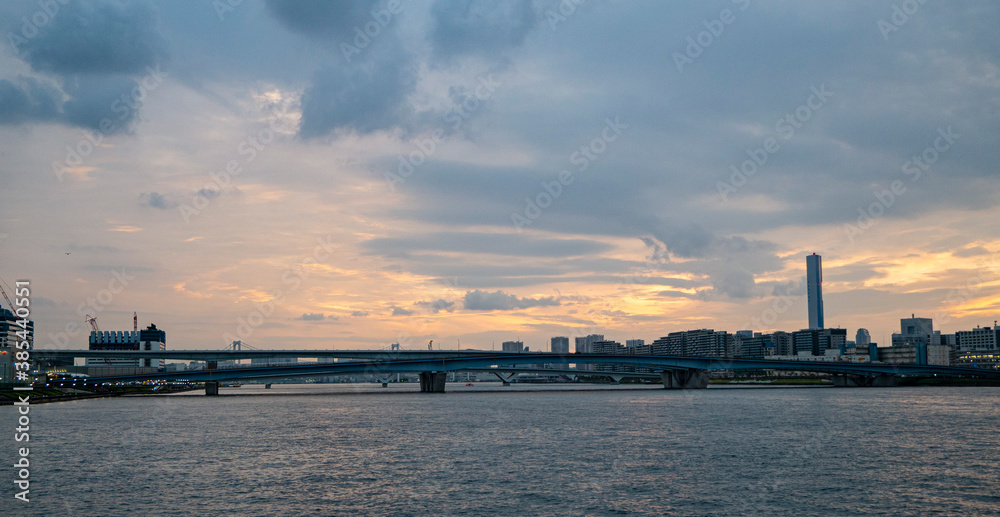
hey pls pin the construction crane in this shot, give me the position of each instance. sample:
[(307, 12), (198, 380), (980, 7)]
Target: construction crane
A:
[(93, 326), (430, 345), (9, 304)]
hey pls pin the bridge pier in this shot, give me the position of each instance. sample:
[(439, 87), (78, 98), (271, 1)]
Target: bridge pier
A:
[(881, 380), (432, 382), (685, 379), (211, 365), (506, 382), (211, 387)]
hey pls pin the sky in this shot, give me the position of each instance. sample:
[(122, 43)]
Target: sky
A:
[(353, 174)]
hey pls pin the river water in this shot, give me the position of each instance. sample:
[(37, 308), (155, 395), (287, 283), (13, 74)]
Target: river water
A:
[(520, 450)]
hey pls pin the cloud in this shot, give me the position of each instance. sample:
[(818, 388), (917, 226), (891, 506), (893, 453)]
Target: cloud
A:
[(159, 201), (500, 301), (485, 28), (90, 37), (359, 314), (491, 243), (362, 98), (437, 306), (321, 18), (399, 311), (971, 252), (28, 99), (309, 316), (101, 103)]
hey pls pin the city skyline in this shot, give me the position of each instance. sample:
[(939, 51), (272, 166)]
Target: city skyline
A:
[(335, 177)]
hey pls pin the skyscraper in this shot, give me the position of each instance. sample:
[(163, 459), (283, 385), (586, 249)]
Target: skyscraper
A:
[(814, 281), (862, 338)]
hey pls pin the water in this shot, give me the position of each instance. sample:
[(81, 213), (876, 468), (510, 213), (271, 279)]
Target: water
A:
[(521, 450)]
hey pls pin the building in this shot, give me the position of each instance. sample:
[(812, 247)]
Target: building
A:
[(915, 330), (585, 345), (11, 342), (978, 348), (609, 347), (513, 346), (9, 329), (862, 338), (736, 344), (694, 343), (916, 353), (559, 345), (816, 342), (814, 283), (151, 339), (781, 343), (754, 346)]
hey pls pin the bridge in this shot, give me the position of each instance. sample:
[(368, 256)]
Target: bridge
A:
[(433, 365)]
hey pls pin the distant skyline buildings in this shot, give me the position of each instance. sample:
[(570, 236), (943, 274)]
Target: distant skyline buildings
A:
[(814, 283)]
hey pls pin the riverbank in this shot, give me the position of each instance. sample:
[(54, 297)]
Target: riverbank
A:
[(42, 395)]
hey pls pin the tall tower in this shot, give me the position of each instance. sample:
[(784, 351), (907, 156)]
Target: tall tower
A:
[(814, 281)]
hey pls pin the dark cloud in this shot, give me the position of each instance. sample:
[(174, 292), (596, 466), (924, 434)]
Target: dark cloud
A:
[(208, 193), (359, 314), (368, 97), (492, 243), (159, 201), (971, 252), (734, 283), (483, 28), (399, 311), (28, 99), (437, 306), (90, 37), (102, 103), (500, 301), (309, 316), (106, 104), (322, 18)]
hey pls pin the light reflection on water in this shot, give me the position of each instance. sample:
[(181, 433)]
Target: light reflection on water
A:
[(361, 449)]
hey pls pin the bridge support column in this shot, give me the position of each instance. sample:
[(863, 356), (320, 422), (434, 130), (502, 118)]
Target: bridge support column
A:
[(882, 380), (211, 365), (211, 387), (506, 382), (685, 379), (433, 382)]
